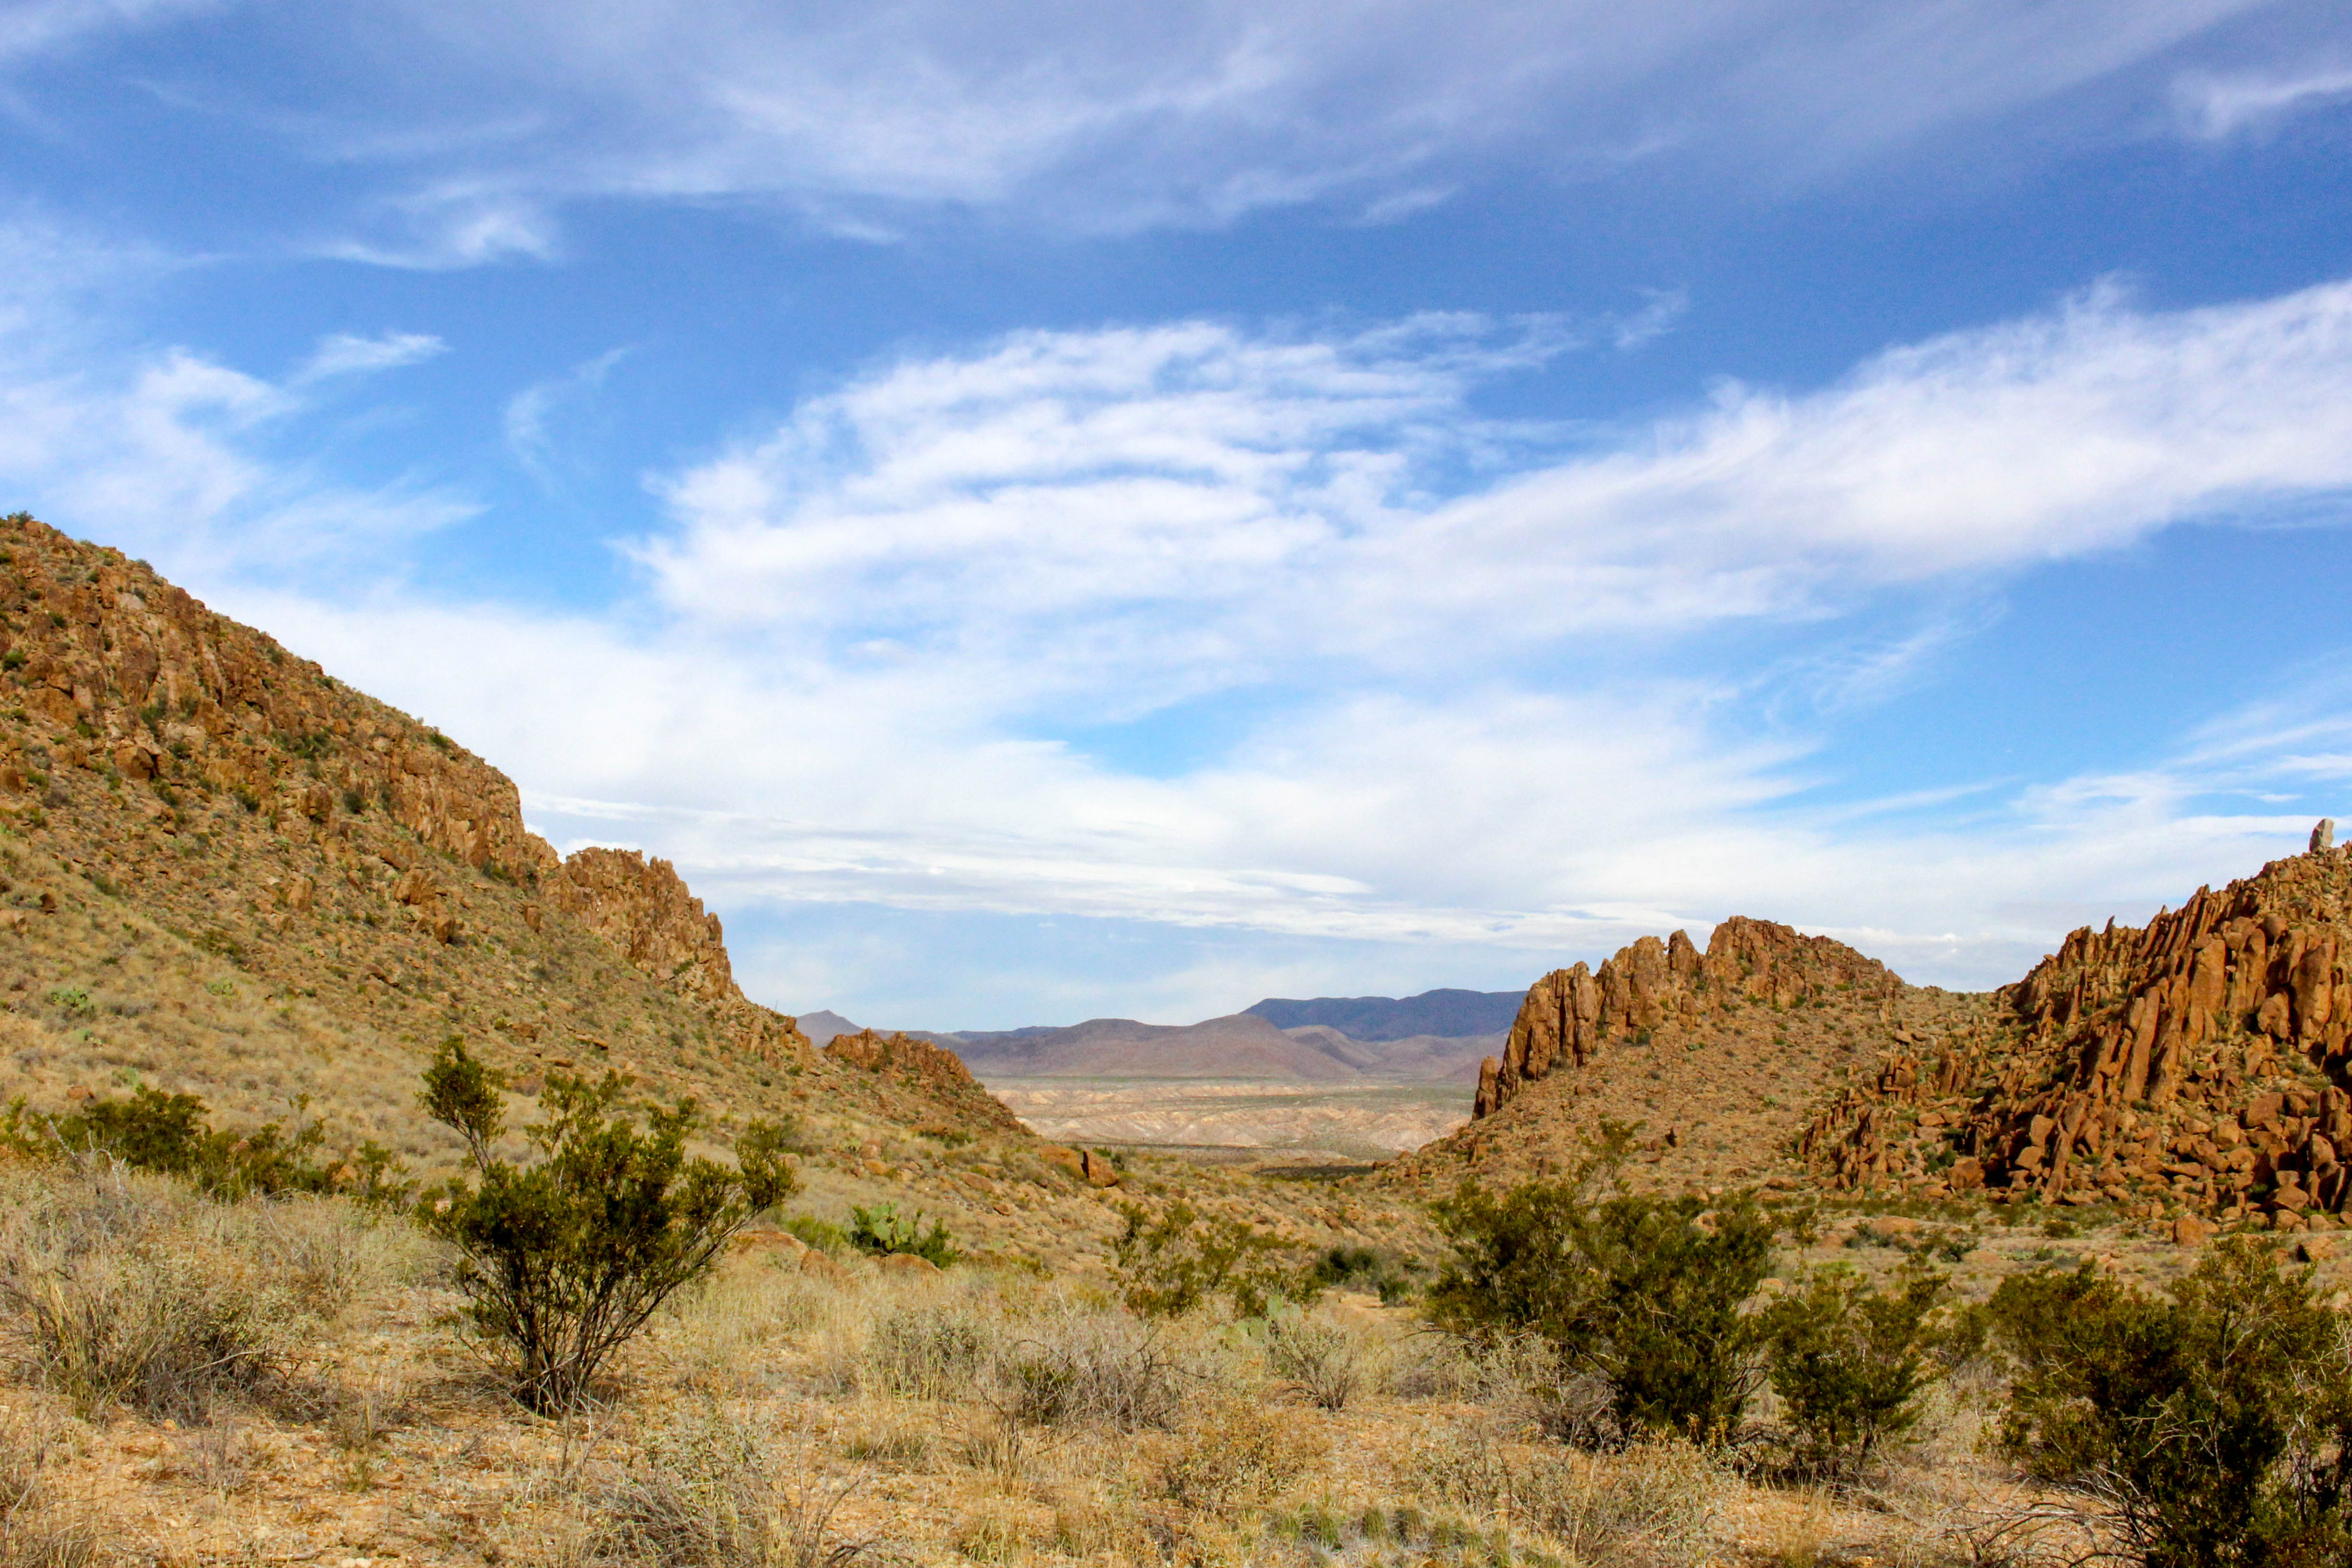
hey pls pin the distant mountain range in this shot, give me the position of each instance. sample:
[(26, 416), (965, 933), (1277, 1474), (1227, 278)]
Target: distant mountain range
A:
[(1437, 1037), (1441, 1013)]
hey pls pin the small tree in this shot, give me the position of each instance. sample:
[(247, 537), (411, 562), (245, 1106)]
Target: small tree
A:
[(1643, 1293), (1849, 1363), (564, 1260), (2219, 1423)]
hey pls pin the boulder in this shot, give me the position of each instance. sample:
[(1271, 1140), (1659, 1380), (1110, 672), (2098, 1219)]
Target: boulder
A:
[(2189, 1230), (906, 1263), (816, 1265)]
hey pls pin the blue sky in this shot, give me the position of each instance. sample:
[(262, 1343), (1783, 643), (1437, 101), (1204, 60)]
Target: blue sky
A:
[(1046, 511)]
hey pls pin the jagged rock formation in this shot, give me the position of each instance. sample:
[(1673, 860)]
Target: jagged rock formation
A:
[(1572, 1015), (2200, 1062), (919, 1064), (644, 909), (1714, 1058)]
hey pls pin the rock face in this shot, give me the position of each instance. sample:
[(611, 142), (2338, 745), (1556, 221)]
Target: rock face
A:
[(1710, 1061), (2203, 1061), (642, 908), (1571, 1016), (137, 677)]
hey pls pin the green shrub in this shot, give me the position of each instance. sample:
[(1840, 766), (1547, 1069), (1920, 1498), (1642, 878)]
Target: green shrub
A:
[(1849, 1364), (1169, 1265), (822, 1233), (2219, 1421), (881, 1231), (169, 1134), (1642, 1294), (1392, 1276), (565, 1259)]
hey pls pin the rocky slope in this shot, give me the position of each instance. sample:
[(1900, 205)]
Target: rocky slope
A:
[(2199, 1065), (249, 880), (224, 872), (1714, 1058)]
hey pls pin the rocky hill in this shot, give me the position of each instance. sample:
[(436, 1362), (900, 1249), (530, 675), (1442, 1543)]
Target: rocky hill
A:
[(2199, 1064), (1715, 1058), (228, 872)]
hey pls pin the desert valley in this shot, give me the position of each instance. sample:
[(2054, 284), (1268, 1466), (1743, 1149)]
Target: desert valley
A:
[(282, 962)]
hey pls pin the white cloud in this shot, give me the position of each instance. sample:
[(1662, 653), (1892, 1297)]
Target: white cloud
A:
[(529, 411), (1116, 117), (865, 630), (1131, 516), (164, 452), (2214, 107), (343, 354)]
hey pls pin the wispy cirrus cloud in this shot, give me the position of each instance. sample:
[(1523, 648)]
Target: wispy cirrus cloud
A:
[(873, 120), (2213, 107), (1175, 508), (167, 452)]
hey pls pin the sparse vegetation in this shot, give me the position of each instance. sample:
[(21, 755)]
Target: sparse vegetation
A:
[(564, 1260)]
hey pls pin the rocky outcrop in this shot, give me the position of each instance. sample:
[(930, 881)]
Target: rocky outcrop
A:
[(939, 1075), (1571, 1016), (2201, 1061), (644, 909), (133, 677), (123, 675)]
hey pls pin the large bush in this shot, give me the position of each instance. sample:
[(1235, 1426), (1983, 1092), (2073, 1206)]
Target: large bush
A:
[(1167, 1264), (565, 1259), (1642, 1294), (2217, 1419), (1849, 1364)]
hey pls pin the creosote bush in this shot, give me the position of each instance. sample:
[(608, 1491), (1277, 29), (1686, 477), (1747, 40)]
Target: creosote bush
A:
[(565, 1259), (2217, 1422), (169, 1134), (1169, 1264), (1644, 1294), (1849, 1364)]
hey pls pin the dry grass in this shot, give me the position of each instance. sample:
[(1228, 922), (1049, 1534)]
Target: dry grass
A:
[(1655, 1504), (705, 1493), (1230, 1453), (123, 1290), (38, 1529)]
